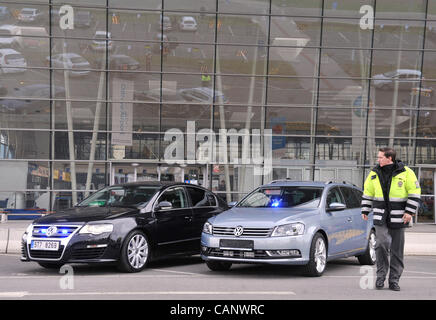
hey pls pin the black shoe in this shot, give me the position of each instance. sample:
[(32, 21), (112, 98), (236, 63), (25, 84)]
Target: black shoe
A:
[(379, 284), (394, 287)]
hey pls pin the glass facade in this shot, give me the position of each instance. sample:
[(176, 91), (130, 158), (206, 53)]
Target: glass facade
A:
[(99, 92)]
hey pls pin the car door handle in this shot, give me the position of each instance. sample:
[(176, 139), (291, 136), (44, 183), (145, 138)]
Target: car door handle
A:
[(188, 218), (349, 219)]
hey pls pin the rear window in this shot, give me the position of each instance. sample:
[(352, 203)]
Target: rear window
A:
[(283, 197)]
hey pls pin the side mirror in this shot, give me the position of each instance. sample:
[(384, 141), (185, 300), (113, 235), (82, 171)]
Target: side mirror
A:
[(164, 205), (232, 204), (336, 206)]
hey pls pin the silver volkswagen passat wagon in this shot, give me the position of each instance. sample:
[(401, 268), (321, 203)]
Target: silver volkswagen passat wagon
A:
[(291, 223)]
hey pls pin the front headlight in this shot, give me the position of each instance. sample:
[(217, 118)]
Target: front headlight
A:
[(28, 230), (207, 228), (96, 229), (293, 229)]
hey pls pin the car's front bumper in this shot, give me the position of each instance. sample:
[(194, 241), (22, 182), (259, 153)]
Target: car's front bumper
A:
[(76, 248), (267, 250)]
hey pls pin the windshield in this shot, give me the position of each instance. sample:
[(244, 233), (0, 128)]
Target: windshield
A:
[(283, 197), (121, 196)]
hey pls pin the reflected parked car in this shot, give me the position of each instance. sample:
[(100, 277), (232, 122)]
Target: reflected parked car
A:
[(128, 225), (30, 99), (7, 36), (100, 39), (12, 61), (406, 78), (75, 63), (123, 62), (203, 94), (30, 15), (291, 223), (188, 24)]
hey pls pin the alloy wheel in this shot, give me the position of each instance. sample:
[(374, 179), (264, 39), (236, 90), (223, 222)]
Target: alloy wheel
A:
[(137, 251), (320, 255)]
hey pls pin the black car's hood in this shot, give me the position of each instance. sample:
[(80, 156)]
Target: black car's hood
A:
[(86, 214)]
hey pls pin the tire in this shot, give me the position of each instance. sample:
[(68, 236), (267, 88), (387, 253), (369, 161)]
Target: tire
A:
[(218, 265), (135, 252), (317, 258), (369, 257), (49, 265)]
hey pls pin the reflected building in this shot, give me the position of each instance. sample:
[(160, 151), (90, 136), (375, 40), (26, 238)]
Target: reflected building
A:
[(329, 82)]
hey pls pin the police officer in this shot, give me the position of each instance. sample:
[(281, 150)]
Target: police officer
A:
[(393, 192)]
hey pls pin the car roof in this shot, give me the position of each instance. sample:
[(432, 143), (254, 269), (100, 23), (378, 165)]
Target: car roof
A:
[(408, 71), (289, 183), (9, 27), (102, 33), (188, 18), (8, 51), (69, 54)]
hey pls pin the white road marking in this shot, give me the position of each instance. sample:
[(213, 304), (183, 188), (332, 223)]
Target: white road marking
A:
[(18, 294), (343, 37), (22, 294), (172, 271)]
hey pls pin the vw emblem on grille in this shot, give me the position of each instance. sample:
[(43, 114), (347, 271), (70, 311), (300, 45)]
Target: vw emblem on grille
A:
[(50, 231), (239, 230)]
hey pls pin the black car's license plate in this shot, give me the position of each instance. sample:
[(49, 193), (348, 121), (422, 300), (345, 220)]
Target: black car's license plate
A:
[(236, 244)]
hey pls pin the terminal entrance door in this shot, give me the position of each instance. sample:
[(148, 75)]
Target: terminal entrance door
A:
[(427, 180)]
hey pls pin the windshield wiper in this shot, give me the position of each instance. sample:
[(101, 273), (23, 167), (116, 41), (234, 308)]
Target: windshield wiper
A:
[(123, 206)]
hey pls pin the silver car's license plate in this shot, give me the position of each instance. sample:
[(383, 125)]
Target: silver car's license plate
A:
[(44, 245), (237, 244)]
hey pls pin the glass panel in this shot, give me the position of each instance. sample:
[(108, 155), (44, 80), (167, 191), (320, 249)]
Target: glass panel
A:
[(405, 34), (25, 144), (143, 146), (299, 91), (297, 8), (426, 211), (286, 120), (403, 9), (21, 175), (242, 29), (251, 6), (345, 33), (347, 8)]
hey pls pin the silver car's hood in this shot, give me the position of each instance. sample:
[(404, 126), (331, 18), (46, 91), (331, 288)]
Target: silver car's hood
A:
[(261, 217)]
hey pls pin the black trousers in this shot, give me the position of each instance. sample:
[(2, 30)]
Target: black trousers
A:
[(389, 251)]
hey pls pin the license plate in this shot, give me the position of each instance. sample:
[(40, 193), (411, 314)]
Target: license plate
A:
[(44, 245), (237, 244)]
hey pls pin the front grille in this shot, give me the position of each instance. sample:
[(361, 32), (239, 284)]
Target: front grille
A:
[(248, 232), (86, 254), (45, 254), (60, 231), (257, 254)]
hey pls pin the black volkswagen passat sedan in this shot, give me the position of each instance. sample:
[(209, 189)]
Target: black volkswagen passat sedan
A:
[(127, 224)]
